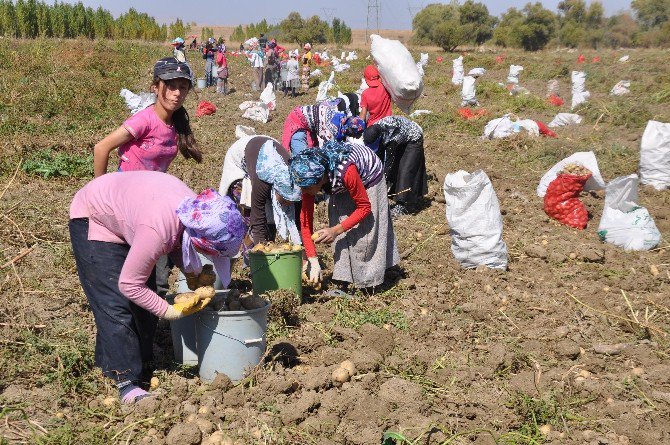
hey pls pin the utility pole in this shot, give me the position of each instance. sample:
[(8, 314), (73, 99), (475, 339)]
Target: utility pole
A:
[(374, 8)]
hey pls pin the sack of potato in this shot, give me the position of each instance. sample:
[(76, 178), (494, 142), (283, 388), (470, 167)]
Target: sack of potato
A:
[(561, 201)]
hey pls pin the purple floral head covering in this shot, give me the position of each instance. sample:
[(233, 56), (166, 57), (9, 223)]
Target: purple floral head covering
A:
[(215, 226)]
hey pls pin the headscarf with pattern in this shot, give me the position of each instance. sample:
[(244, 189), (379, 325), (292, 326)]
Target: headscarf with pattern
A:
[(309, 166), (214, 225)]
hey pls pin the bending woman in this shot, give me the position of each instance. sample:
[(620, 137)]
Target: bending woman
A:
[(119, 226), (398, 142), (360, 224), (255, 174)]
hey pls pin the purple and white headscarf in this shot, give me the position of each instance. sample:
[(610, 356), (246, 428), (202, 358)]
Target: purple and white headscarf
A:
[(215, 226)]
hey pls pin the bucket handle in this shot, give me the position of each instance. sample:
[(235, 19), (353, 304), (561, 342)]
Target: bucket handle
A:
[(267, 266), (247, 342)]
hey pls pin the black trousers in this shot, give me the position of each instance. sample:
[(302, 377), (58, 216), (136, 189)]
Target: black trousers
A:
[(405, 169), (125, 331)]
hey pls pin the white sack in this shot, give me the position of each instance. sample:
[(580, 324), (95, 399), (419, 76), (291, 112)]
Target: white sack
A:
[(137, 102), (324, 87), (252, 41), (458, 72), (397, 71), (552, 88), (622, 87), (579, 94), (624, 222), (504, 127), (514, 72), (341, 67), (364, 86), (624, 59), (316, 73), (564, 119), (655, 155), (268, 96), (423, 61), (351, 56), (259, 112), (248, 104), (242, 131), (468, 92), (473, 215), (477, 72), (584, 158), (416, 113)]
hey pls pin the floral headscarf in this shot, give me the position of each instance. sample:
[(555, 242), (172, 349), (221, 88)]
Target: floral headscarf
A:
[(214, 225), (309, 166)]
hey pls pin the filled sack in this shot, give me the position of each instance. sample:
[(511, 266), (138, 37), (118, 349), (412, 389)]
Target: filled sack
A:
[(458, 71), (579, 93), (655, 155), (562, 202), (585, 158), (397, 71), (564, 119), (624, 222), (475, 222), (514, 73)]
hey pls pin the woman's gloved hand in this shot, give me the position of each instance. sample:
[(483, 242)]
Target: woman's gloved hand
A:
[(189, 303), (311, 271)]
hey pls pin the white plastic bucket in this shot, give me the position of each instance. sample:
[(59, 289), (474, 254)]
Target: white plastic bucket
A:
[(184, 342), (202, 84), (230, 342)]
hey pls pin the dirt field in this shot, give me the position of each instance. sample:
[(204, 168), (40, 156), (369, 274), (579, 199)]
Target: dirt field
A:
[(569, 346)]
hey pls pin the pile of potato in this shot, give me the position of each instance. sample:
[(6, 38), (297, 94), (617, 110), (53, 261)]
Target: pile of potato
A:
[(206, 278), (343, 373), (575, 170), (235, 302), (277, 248)]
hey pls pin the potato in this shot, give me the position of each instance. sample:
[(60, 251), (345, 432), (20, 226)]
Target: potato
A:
[(235, 305), (207, 277), (205, 292), (252, 302), (349, 366), (155, 383), (340, 375), (192, 281), (297, 247), (315, 236), (184, 298), (258, 248)]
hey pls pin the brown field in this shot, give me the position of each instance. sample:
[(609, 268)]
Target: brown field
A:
[(443, 355)]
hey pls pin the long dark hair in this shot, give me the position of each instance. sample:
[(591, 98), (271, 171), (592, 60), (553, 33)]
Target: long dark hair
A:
[(186, 143)]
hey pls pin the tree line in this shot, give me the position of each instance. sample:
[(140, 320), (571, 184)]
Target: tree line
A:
[(30, 19), (295, 29), (533, 27)]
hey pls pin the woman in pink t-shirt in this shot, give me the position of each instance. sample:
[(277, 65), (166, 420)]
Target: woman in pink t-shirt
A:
[(149, 139)]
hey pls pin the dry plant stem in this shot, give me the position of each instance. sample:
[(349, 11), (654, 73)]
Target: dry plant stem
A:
[(630, 307), (18, 167), (16, 226), (619, 317), (400, 192), (131, 425), (408, 252), (17, 257)]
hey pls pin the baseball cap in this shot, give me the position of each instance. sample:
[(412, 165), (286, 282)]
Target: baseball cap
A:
[(177, 41), (170, 68), (371, 75)]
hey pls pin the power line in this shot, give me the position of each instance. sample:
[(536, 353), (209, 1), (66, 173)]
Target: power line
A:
[(374, 8), (329, 13)]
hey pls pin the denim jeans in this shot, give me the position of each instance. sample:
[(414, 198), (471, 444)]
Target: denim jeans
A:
[(298, 142), (125, 331)]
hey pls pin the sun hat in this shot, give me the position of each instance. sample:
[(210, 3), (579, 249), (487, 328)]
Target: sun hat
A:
[(177, 41), (371, 75), (170, 68)]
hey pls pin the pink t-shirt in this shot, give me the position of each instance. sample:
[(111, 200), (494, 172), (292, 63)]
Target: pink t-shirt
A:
[(154, 143), (138, 209)]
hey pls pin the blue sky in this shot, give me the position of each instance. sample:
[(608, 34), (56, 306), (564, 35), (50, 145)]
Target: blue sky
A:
[(395, 14)]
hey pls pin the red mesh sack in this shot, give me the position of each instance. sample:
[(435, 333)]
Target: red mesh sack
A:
[(469, 113), (562, 200), (581, 58), (544, 130), (556, 100), (205, 108)]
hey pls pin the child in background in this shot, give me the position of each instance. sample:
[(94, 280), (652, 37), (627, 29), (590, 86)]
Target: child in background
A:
[(222, 73), (293, 75), (283, 73)]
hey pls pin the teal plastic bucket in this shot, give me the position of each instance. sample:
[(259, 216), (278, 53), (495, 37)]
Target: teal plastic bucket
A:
[(230, 342), (273, 271)]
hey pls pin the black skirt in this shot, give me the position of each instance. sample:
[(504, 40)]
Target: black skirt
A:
[(405, 169)]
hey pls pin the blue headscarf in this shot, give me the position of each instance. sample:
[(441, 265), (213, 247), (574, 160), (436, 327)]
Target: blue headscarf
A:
[(309, 166), (342, 126), (354, 127)]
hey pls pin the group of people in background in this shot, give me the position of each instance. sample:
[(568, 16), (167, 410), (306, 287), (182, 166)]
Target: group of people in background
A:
[(129, 227)]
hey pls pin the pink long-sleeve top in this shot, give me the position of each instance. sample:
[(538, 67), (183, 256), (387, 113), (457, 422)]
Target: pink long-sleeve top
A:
[(136, 208)]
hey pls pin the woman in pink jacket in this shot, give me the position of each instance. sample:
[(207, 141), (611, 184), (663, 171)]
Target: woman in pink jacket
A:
[(120, 225)]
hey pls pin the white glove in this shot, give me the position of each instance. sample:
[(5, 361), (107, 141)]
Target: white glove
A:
[(311, 270)]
